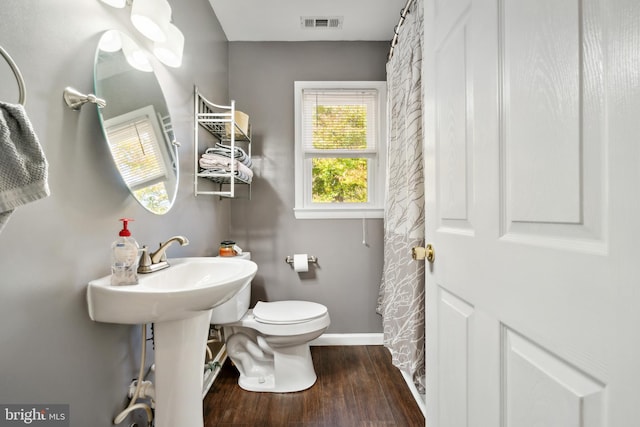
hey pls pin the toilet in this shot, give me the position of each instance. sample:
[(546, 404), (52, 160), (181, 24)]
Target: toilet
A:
[(269, 344)]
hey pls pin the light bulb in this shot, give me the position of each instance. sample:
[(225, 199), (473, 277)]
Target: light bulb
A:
[(151, 18), (135, 55), (170, 51), (115, 3), (110, 41)]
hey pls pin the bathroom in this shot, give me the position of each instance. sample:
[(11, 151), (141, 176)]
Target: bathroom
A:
[(52, 248), (51, 352)]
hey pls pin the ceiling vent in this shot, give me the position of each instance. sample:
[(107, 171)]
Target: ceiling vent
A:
[(320, 22)]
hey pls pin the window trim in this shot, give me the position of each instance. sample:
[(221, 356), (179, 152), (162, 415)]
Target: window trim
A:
[(304, 208)]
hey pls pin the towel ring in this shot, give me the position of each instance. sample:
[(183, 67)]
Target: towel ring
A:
[(16, 72)]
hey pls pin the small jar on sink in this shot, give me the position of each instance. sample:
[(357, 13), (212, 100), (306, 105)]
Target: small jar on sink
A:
[(227, 248)]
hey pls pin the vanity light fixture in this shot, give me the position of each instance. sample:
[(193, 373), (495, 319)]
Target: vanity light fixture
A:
[(170, 51), (152, 19), (111, 41), (116, 3), (136, 56)]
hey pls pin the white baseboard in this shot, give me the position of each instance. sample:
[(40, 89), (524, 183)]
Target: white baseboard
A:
[(348, 339)]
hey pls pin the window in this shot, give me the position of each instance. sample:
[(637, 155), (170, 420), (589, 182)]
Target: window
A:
[(340, 149), (134, 139)]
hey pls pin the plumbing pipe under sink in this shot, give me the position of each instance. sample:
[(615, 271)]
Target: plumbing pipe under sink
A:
[(136, 393)]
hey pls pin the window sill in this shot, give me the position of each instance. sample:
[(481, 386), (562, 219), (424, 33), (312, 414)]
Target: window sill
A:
[(338, 213)]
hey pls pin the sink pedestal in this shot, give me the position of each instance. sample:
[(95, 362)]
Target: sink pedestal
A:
[(180, 347)]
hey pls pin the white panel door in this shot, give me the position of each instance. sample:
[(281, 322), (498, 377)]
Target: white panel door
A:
[(532, 160)]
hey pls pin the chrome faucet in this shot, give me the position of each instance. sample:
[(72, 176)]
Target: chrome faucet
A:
[(154, 261)]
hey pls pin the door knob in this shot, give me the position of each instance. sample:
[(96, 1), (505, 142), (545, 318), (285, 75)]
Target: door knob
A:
[(419, 253)]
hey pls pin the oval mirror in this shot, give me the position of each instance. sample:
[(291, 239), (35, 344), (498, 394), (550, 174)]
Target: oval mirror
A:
[(136, 121)]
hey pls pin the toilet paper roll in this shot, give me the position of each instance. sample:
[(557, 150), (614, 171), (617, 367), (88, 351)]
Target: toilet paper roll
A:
[(301, 262)]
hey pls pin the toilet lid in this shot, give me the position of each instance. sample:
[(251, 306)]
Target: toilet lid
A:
[(284, 312)]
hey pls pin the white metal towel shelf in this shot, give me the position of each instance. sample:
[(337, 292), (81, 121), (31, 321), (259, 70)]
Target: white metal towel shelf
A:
[(219, 121)]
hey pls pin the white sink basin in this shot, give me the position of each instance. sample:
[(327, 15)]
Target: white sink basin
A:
[(178, 300), (188, 286)]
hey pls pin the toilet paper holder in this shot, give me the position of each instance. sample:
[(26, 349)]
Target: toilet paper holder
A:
[(310, 259)]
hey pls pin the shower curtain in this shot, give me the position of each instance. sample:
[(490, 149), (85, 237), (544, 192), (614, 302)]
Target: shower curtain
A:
[(401, 297)]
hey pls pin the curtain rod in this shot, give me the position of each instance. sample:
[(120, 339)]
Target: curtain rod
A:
[(403, 15)]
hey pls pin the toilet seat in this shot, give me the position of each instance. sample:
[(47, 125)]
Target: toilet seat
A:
[(287, 312), (317, 318)]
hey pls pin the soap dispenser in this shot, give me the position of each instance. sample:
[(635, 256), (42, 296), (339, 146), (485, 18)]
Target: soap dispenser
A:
[(124, 257)]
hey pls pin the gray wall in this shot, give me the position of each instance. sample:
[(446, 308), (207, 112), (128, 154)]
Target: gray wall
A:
[(50, 351), (261, 79)]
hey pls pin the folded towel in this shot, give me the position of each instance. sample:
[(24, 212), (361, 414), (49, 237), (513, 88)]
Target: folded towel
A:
[(225, 150), (225, 179), (216, 159), (215, 162), (23, 167)]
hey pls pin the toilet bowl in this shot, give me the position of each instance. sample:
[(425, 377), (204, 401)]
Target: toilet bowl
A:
[(269, 344)]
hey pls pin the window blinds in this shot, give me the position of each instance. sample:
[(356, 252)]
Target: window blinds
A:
[(339, 120), (136, 151)]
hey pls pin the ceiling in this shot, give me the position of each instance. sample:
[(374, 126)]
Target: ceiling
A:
[(280, 20)]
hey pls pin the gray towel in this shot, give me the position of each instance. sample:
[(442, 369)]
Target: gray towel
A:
[(23, 167)]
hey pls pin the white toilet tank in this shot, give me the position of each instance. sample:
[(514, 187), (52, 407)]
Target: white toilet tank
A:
[(233, 310)]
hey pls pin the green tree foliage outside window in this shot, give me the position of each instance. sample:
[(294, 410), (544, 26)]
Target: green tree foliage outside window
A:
[(339, 180), (155, 197), (342, 179)]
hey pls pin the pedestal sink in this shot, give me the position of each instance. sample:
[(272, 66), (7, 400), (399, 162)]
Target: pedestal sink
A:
[(178, 300)]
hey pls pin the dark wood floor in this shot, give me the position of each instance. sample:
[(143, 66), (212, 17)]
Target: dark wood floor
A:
[(356, 386)]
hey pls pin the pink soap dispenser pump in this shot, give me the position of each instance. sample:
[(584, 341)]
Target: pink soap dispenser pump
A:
[(124, 257)]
